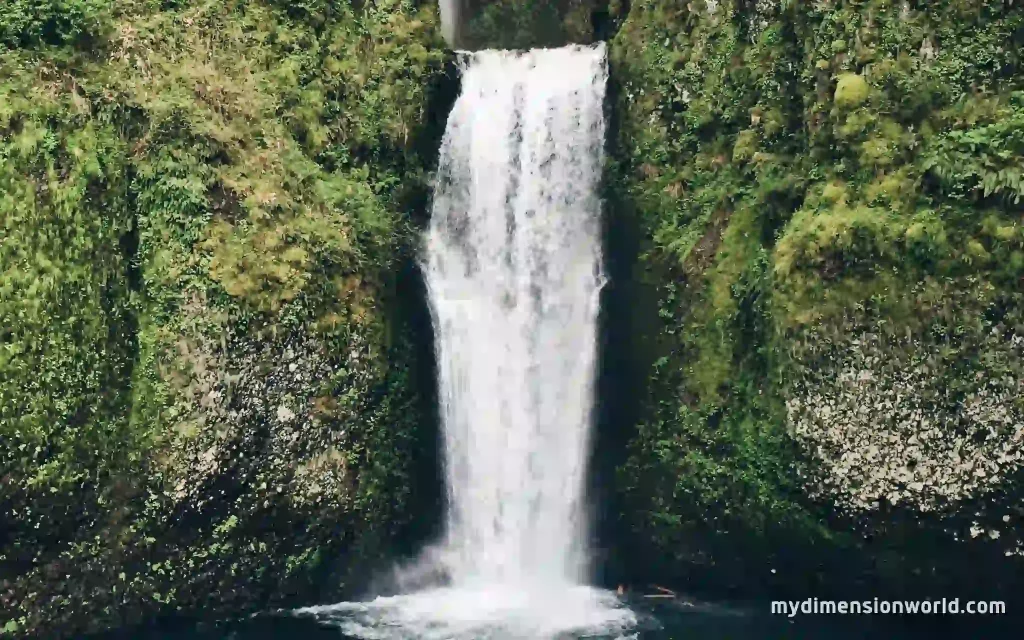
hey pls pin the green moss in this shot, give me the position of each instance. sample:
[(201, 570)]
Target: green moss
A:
[(745, 147), (65, 313), (834, 193), (851, 91), (843, 235)]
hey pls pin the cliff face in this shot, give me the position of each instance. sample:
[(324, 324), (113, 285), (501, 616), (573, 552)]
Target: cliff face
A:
[(208, 387), (828, 197)]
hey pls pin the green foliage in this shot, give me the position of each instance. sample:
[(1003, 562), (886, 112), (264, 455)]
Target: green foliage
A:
[(981, 158), (836, 242), (25, 23), (65, 337)]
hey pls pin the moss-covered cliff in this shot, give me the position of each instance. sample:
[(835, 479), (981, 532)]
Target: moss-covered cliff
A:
[(208, 392), (829, 200)]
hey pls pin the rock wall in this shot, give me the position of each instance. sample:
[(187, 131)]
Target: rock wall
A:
[(526, 24), (211, 388), (828, 284)]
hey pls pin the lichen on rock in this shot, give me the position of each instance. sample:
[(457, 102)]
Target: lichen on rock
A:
[(886, 423)]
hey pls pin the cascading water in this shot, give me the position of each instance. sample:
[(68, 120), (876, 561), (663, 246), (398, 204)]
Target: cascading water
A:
[(513, 267), (513, 270)]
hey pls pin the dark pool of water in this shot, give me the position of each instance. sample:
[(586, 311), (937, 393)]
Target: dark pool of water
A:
[(660, 620)]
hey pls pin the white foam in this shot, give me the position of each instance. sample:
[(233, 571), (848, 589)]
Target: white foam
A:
[(482, 612)]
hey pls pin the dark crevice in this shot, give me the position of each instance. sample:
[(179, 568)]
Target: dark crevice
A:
[(427, 472), (425, 143), (627, 307)]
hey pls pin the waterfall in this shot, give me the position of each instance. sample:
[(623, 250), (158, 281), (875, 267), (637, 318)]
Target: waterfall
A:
[(513, 269), (514, 273)]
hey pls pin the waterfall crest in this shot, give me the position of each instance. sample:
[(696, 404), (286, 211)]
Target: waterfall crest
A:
[(513, 269)]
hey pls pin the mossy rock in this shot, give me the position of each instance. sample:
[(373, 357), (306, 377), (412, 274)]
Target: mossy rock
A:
[(851, 91)]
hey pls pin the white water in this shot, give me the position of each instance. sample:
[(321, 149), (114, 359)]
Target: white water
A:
[(513, 268)]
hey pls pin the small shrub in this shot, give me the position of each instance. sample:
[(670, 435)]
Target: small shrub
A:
[(26, 23)]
